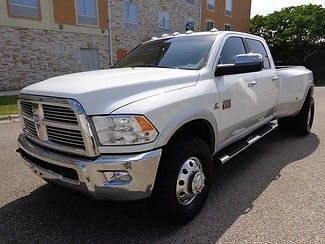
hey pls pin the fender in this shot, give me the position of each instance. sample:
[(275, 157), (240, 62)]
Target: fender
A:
[(311, 89), (181, 119)]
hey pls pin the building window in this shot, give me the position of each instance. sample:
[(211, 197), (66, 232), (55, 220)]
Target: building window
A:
[(227, 27), (211, 5), (209, 25), (131, 15), (87, 12), (190, 1), (228, 7), (189, 24), (89, 59), (163, 20), (24, 8)]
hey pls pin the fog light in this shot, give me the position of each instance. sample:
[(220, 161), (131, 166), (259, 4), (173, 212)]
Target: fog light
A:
[(118, 177)]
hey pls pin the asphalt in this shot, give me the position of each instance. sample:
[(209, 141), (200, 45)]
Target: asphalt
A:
[(274, 192)]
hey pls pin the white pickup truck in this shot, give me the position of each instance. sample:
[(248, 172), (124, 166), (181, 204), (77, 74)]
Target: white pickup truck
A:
[(154, 124)]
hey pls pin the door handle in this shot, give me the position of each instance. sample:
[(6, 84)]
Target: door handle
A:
[(275, 78), (251, 83)]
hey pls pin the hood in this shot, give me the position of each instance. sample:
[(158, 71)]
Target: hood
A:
[(103, 91)]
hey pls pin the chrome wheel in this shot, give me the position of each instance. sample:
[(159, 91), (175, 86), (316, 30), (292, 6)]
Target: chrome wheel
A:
[(190, 181)]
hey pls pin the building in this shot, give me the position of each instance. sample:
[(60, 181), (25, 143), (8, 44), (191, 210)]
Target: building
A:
[(142, 19), (225, 15), (45, 38)]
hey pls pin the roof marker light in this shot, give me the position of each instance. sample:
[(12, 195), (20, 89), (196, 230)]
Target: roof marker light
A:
[(189, 32), (164, 35), (154, 38), (214, 30), (176, 33)]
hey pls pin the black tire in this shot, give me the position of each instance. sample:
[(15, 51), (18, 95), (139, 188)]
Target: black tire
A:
[(302, 122), (174, 155)]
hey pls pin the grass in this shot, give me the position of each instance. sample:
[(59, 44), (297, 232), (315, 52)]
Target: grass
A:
[(8, 105)]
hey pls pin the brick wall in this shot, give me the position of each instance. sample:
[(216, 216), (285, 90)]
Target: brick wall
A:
[(29, 55)]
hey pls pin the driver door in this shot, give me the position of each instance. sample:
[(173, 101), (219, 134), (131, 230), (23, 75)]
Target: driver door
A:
[(238, 95)]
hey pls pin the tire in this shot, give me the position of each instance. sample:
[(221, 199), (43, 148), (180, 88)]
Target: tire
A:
[(302, 122), (172, 197)]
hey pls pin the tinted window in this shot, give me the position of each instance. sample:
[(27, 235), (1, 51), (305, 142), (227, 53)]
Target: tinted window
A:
[(232, 47), (178, 53), (258, 47)]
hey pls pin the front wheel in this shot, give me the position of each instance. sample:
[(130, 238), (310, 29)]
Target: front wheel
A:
[(184, 178)]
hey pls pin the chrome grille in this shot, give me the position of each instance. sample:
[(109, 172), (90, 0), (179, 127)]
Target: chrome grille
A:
[(72, 138), (30, 127), (59, 124), (59, 114), (27, 108)]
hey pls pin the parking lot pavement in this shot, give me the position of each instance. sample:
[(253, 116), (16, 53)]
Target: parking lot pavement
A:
[(274, 192)]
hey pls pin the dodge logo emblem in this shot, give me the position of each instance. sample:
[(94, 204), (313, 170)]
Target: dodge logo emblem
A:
[(36, 120)]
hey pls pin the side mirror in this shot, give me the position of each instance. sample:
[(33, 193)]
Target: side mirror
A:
[(244, 63)]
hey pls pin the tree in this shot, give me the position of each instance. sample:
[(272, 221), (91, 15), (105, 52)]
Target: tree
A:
[(294, 34)]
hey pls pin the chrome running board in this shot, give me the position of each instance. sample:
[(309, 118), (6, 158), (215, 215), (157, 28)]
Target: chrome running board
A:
[(231, 151)]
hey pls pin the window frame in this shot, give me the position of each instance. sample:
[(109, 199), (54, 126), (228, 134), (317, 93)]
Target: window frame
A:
[(214, 6), (88, 25), (124, 19), (249, 50), (226, 38), (206, 24), (226, 24), (98, 58), (162, 27), (25, 17), (226, 11)]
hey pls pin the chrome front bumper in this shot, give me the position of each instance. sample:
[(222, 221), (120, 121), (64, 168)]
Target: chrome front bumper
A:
[(97, 177)]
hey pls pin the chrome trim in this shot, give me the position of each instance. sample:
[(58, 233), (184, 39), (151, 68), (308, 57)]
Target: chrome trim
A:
[(91, 178), (84, 125)]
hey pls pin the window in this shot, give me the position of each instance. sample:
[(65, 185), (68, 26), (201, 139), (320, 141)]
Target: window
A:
[(24, 8), (89, 59), (256, 46), (191, 52), (163, 19), (209, 25), (232, 47), (227, 27), (211, 5), (190, 1), (189, 24), (228, 7), (131, 15), (87, 12)]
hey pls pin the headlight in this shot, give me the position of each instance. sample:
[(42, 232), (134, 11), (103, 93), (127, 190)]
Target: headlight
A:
[(124, 130)]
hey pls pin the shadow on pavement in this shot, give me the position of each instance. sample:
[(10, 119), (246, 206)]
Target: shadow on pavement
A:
[(51, 214)]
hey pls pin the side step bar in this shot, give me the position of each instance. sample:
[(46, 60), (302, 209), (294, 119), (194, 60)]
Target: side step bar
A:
[(233, 150)]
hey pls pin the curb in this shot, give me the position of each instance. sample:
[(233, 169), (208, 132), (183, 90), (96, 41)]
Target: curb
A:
[(9, 118)]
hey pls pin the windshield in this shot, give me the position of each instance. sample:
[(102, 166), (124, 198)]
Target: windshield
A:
[(178, 53)]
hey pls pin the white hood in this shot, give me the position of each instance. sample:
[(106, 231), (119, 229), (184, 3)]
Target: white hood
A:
[(103, 91)]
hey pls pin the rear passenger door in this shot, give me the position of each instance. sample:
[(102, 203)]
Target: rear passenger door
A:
[(238, 99), (267, 80)]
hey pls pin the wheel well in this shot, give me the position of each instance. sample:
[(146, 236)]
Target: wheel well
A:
[(200, 128)]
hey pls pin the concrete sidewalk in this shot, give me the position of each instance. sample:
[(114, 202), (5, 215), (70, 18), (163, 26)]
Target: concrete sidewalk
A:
[(9, 93)]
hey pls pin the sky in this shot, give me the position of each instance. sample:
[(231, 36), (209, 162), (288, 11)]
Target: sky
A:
[(264, 7)]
